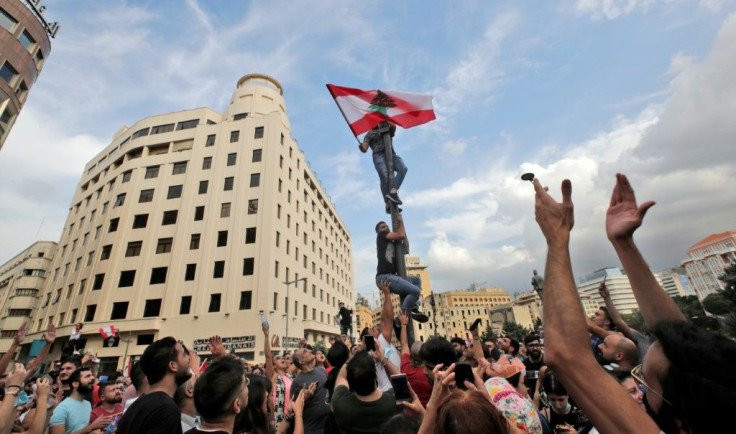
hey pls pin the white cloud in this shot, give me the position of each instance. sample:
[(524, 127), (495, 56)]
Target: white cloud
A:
[(613, 9), (455, 148)]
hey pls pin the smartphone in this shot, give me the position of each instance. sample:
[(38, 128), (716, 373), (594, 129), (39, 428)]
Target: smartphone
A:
[(401, 388), (264, 320), (463, 371), (370, 342), (474, 325)]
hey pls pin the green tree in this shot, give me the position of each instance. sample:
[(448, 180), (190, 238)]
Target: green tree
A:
[(729, 280), (635, 320), (489, 334), (689, 305), (515, 330), (362, 301), (717, 304), (537, 324), (319, 346), (729, 325)]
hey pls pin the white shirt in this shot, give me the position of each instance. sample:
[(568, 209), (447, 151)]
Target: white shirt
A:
[(393, 356)]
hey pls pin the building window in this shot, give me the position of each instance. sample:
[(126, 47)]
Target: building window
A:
[(253, 206), (164, 245), (206, 163), (185, 305), (258, 133), (8, 73), (185, 125), (152, 308), (158, 129), (127, 278), (231, 159), (119, 310), (225, 210), (250, 236), (190, 272), (89, 314), (234, 135), (228, 183), (219, 270), (257, 154), (158, 275), (127, 175), (240, 116), (7, 21), (120, 200), (134, 248), (27, 40), (221, 238), (194, 242), (146, 339), (174, 192), (210, 140), (276, 269), (248, 266), (245, 300), (169, 217), (151, 172), (140, 221), (179, 168), (198, 213), (255, 179), (203, 185), (105, 252), (214, 303), (140, 133)]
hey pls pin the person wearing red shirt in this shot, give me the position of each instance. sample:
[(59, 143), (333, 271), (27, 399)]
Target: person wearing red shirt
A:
[(411, 364), (111, 398)]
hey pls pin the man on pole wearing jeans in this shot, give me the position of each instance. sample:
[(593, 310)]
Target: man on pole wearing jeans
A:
[(409, 291)]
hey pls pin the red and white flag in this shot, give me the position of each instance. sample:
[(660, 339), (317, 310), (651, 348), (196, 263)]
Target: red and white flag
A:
[(364, 109), (108, 331)]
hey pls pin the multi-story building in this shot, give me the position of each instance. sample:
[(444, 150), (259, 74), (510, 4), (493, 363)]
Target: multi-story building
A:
[(618, 287), (707, 259), (22, 279), (531, 302), (414, 267), (590, 306), (190, 223), (674, 281), (363, 318), (510, 312), (25, 45)]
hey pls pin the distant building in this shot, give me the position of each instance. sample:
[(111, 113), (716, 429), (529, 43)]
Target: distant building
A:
[(22, 280), (24, 47), (590, 306), (618, 286), (707, 259), (674, 281), (414, 267), (363, 318)]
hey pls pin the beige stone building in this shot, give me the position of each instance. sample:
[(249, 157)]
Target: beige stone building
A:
[(363, 318), (22, 280), (707, 259), (510, 312), (618, 286), (674, 281), (24, 47), (190, 223), (414, 267)]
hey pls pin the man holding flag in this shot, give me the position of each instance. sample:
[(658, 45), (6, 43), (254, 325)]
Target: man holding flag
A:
[(374, 140)]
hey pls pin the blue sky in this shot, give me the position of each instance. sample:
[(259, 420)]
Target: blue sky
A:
[(579, 89)]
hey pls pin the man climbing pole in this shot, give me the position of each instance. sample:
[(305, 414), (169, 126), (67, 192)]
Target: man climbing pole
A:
[(374, 140)]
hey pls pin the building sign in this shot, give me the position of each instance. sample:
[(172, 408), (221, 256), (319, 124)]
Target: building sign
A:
[(232, 343)]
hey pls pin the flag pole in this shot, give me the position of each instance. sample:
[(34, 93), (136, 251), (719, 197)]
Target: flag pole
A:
[(343, 114)]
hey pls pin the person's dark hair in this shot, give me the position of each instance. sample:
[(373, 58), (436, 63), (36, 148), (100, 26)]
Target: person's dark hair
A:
[(700, 382), (552, 385), (515, 344), (608, 315), (255, 420), (337, 356), (437, 350), (366, 331), (103, 386), (137, 377), (469, 412), (486, 351), (362, 373), (379, 224), (457, 340), (401, 424), (515, 379), (217, 387), (155, 359), (76, 360), (531, 338), (495, 354), (620, 375), (77, 375)]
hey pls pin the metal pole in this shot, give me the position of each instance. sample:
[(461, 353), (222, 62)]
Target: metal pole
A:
[(125, 356), (286, 337)]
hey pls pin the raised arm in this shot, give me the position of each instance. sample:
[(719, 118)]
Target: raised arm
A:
[(270, 371), (613, 312), (14, 385), (594, 329), (380, 357), (404, 338), (43, 389), (477, 345), (49, 337), (387, 313), (20, 335), (566, 339), (622, 219)]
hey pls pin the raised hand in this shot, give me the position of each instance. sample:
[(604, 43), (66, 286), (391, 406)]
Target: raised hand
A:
[(43, 388), (384, 287), (415, 404), (403, 317), (603, 290), (50, 335), (216, 347), (623, 216), (556, 219), (20, 334), (297, 405), (266, 328)]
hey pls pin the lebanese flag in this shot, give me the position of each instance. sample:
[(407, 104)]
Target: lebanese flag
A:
[(364, 109), (203, 366), (108, 331)]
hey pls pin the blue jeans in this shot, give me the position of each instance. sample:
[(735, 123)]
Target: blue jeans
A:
[(409, 291), (379, 161)]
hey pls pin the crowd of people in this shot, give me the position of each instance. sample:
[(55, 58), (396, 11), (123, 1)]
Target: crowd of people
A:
[(577, 375)]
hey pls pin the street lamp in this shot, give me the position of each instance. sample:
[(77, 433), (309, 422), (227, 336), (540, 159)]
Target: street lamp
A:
[(286, 337)]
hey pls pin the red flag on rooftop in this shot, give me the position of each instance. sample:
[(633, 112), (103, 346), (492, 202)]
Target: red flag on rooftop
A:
[(364, 109)]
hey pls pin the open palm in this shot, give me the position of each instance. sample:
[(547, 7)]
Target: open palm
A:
[(623, 216)]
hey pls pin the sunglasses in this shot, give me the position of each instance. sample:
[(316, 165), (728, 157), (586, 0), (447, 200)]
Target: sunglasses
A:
[(638, 375)]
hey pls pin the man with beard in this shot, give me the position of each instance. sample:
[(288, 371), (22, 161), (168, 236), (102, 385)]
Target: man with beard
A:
[(460, 346), (220, 396), (72, 415), (110, 402), (533, 362), (312, 380), (166, 365), (508, 345), (618, 350)]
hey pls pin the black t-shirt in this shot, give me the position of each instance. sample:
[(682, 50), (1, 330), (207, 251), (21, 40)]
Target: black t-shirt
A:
[(152, 413), (345, 316), (532, 370), (386, 254), (196, 430)]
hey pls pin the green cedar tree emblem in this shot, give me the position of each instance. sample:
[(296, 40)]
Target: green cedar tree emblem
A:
[(381, 102)]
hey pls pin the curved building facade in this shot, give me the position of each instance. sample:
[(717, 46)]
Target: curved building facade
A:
[(24, 46), (190, 223)]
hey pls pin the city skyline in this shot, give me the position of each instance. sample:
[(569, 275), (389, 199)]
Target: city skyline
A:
[(579, 89)]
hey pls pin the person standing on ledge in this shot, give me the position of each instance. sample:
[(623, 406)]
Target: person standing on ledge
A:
[(374, 140)]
